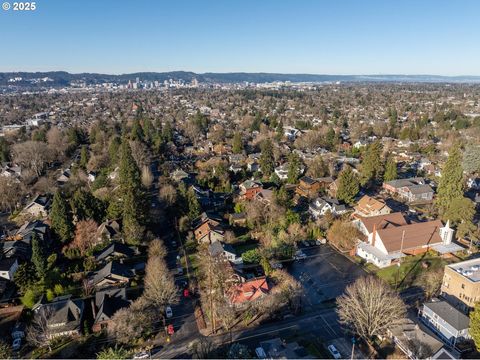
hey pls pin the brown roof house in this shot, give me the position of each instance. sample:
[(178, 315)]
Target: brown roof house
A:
[(390, 237), (308, 187), (208, 230), (368, 206)]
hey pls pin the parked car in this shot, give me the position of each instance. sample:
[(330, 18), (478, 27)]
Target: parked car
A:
[(260, 353), (141, 355), (299, 255), (168, 312), (305, 243), (321, 241), (180, 270), (17, 344), (333, 350)]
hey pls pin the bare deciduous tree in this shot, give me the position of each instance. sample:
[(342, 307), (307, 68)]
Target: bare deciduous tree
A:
[(160, 286), (168, 194), (39, 333), (11, 192), (147, 176), (369, 308), (32, 154)]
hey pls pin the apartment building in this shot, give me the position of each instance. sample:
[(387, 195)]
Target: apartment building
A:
[(461, 283)]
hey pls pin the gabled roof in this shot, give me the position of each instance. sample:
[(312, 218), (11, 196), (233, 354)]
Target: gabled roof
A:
[(63, 311), (112, 268), (368, 203), (383, 221), (450, 314), (414, 235), (114, 247), (109, 302), (249, 291)]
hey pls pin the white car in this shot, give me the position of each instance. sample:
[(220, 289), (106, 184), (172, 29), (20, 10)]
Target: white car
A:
[(333, 350), (141, 355), (260, 353), (168, 312), (300, 255)]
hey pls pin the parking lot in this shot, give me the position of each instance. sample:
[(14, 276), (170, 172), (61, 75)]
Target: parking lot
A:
[(324, 274)]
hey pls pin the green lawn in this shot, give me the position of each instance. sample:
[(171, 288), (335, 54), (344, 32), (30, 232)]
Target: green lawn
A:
[(404, 276), (241, 248)]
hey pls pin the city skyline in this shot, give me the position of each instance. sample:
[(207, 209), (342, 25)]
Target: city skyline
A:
[(345, 38)]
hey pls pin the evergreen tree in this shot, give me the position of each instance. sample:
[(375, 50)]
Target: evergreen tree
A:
[(390, 169), (450, 186), (474, 328), (38, 257), (61, 218), (4, 150), (113, 148), (86, 206), (267, 161), (372, 166), (293, 168), (237, 143), (131, 194), (194, 208), (84, 157), (348, 186), (461, 212), (137, 132), (330, 139)]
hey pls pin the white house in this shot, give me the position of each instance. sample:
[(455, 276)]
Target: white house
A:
[(8, 267), (321, 205)]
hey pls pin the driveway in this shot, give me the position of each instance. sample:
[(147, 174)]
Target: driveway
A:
[(324, 274)]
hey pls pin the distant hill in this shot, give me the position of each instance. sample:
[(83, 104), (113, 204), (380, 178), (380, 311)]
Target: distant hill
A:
[(62, 78)]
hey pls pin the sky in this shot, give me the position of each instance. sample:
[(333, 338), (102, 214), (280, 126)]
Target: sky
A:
[(440, 37)]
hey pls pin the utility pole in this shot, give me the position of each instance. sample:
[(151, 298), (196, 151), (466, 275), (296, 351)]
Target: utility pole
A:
[(400, 260), (353, 347)]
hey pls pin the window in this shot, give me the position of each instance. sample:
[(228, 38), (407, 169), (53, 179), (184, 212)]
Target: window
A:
[(463, 286)]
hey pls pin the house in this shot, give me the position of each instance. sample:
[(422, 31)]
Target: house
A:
[(11, 171), (265, 196), (238, 219), (308, 187), (290, 132), (108, 230), (209, 231), (368, 206), (461, 283), (390, 237), (19, 244), (279, 349), (253, 166), (415, 339), (64, 176), (282, 171), (249, 188), (411, 190), (114, 250), (219, 249), (38, 207), (92, 176), (179, 175), (332, 188), (63, 316), (8, 267), (473, 183), (107, 303), (249, 291), (113, 274), (321, 205), (446, 321)]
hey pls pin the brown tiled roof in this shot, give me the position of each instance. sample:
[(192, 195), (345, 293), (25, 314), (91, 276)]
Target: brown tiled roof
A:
[(416, 235), (383, 221)]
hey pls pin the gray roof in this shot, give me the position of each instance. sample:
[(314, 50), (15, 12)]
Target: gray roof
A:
[(450, 314)]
